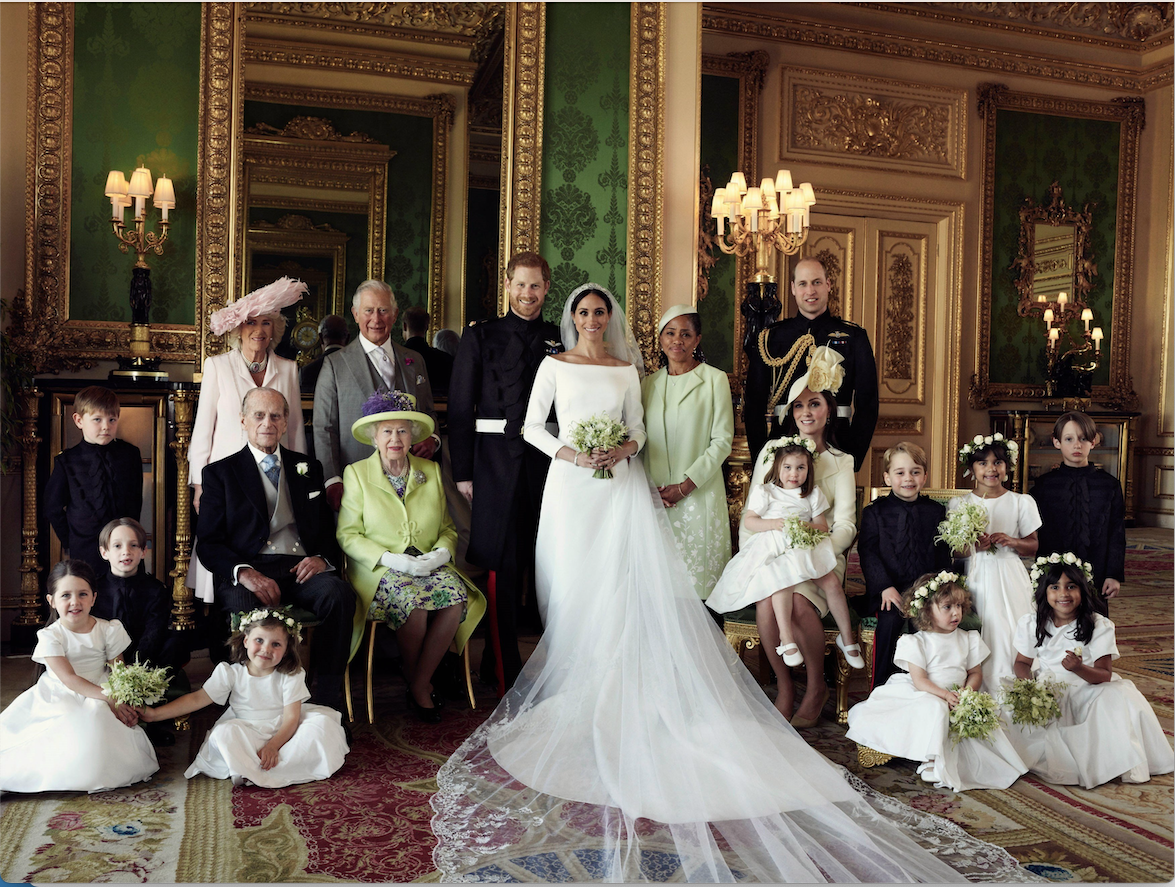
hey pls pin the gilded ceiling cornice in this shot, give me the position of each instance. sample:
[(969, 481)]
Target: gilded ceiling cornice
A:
[(453, 24), (441, 105), (1141, 27), (355, 61), (747, 23)]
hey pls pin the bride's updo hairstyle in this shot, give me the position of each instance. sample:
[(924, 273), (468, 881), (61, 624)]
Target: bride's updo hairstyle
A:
[(580, 297)]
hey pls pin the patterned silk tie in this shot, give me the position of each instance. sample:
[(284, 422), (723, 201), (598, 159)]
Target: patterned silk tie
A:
[(272, 468), (387, 372)]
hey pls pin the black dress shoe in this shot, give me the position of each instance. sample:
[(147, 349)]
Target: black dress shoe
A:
[(427, 715)]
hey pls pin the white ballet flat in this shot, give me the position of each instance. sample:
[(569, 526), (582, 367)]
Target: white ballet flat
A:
[(794, 658), (928, 773), (852, 653)]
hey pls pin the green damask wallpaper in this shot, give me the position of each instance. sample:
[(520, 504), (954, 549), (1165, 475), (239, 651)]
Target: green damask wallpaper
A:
[(719, 151), (136, 98), (409, 191), (1033, 150), (585, 149)]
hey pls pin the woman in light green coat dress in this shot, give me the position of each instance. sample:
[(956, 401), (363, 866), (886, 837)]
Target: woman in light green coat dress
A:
[(689, 419)]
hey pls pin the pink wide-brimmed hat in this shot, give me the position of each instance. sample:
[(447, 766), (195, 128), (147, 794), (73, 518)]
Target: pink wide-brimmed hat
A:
[(269, 299)]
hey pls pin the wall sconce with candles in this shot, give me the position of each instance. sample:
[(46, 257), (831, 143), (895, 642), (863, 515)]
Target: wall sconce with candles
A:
[(1069, 381), (773, 216), (140, 364)]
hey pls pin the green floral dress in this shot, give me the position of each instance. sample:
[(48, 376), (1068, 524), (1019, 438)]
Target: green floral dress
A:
[(398, 594)]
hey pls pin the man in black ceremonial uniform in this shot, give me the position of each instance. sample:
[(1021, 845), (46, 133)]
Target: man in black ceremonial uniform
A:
[(493, 467), (781, 353)]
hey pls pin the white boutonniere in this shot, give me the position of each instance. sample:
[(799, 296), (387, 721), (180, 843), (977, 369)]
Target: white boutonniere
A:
[(302, 468), (418, 476)]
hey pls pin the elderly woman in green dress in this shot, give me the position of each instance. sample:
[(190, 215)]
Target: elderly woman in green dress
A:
[(395, 529), (689, 420)]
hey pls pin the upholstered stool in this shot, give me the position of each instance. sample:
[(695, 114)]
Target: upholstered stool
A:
[(742, 633), (371, 626)]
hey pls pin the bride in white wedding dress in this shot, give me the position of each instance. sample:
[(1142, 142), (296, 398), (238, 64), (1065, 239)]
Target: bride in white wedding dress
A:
[(635, 746)]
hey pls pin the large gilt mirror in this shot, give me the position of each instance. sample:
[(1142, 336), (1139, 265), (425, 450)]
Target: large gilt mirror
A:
[(1055, 253), (1044, 156)]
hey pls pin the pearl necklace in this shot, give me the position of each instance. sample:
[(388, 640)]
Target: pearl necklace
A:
[(256, 366)]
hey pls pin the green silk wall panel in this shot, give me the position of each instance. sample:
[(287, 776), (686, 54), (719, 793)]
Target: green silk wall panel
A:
[(406, 260), (719, 151), (1032, 151), (136, 100), (584, 209)]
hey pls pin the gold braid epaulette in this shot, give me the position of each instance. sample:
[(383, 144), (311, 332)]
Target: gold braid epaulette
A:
[(806, 342)]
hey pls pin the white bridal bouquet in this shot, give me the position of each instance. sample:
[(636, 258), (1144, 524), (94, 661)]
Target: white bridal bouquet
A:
[(963, 526), (976, 715), (600, 431), (1034, 703), (800, 535), (137, 684)]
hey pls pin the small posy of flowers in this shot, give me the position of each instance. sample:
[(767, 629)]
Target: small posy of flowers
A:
[(600, 431), (408, 361), (975, 717), (302, 468), (1041, 565), (1034, 703), (986, 440), (136, 685), (795, 440), (292, 625), (925, 592), (800, 535), (963, 526)]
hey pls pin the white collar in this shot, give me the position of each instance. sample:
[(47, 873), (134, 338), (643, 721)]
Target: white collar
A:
[(369, 346), (259, 455)]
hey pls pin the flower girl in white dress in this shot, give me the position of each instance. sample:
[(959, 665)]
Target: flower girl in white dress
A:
[(996, 577), (770, 565), (268, 736), (909, 715), (1107, 729), (63, 733)]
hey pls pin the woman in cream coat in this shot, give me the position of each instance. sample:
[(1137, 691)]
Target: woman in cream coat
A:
[(253, 326), (689, 420), (395, 529)]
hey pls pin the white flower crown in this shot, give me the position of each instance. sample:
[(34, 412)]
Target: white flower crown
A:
[(283, 616), (923, 592), (980, 441), (796, 440), (1041, 564)]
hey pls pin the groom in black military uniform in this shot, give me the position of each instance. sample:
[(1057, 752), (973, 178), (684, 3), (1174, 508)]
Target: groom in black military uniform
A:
[(780, 354), (493, 467)]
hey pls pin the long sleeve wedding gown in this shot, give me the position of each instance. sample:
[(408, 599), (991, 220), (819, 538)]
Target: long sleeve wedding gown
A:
[(635, 745)]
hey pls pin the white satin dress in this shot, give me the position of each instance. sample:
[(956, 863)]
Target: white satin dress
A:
[(635, 746)]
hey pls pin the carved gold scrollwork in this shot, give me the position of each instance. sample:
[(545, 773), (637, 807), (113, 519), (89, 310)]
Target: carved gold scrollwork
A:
[(183, 610), (1076, 261), (30, 567), (900, 317), (645, 162), (433, 20), (870, 126), (522, 132)]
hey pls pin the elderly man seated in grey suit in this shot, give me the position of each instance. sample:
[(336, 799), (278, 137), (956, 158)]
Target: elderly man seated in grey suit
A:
[(352, 374)]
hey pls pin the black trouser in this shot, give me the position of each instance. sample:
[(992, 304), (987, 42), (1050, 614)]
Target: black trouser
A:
[(891, 625), (515, 564), (326, 595)]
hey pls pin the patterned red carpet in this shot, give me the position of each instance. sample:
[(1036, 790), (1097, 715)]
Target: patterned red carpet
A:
[(371, 821)]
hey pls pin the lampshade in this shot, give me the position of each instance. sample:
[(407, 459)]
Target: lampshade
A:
[(753, 200), (739, 182), (116, 184), (1087, 314), (783, 181), (140, 183), (809, 194), (1097, 333), (768, 188), (164, 193)]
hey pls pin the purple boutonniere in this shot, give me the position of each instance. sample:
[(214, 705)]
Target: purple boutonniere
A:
[(407, 361)]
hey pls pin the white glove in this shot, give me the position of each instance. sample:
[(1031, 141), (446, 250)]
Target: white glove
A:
[(435, 558), (404, 563)]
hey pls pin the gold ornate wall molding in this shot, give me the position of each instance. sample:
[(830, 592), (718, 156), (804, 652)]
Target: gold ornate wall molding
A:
[(41, 325), (902, 292), (842, 119), (899, 425), (1130, 112), (446, 23), (781, 28), (1139, 26), (646, 160), (522, 131), (380, 63)]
